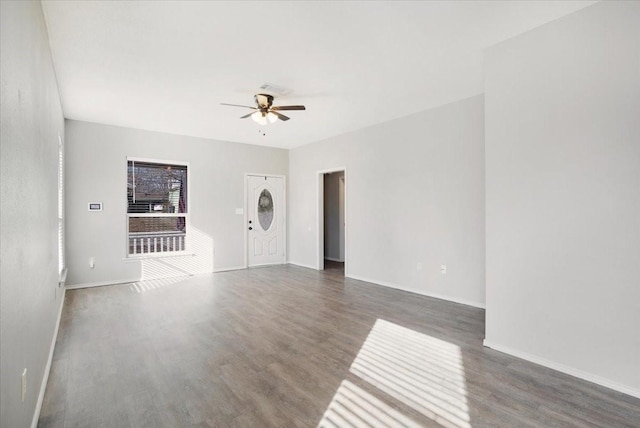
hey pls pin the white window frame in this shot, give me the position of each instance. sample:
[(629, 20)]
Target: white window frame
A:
[(187, 216), (62, 270)]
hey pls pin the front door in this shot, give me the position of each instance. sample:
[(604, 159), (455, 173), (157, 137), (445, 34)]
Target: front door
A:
[(265, 216)]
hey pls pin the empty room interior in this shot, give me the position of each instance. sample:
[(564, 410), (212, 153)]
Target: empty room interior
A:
[(319, 213)]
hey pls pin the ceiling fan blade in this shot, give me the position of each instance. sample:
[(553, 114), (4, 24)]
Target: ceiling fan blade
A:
[(280, 116), (246, 115), (237, 105), (288, 108)]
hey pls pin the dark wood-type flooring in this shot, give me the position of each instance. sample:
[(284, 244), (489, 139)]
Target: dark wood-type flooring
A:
[(287, 346)]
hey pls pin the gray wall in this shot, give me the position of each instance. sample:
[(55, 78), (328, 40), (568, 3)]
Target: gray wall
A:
[(414, 194), (96, 171), (31, 120), (563, 195), (333, 217)]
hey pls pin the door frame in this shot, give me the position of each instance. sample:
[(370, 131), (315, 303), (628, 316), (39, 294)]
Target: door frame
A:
[(320, 217), (246, 216)]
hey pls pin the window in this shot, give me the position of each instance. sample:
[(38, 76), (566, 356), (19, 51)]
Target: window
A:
[(60, 208), (157, 210)]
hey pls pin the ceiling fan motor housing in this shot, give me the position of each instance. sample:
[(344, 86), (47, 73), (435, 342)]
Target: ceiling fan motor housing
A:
[(264, 101)]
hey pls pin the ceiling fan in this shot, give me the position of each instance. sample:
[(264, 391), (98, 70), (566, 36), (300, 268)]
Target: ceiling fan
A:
[(265, 110)]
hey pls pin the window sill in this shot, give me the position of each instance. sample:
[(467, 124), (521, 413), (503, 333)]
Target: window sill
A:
[(136, 257)]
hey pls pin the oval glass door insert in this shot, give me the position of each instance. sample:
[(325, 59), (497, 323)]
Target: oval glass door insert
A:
[(265, 209)]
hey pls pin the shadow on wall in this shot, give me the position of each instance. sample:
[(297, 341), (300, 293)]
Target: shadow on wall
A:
[(200, 261)]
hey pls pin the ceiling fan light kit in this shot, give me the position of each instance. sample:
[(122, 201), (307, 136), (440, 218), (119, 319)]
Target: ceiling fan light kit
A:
[(261, 118), (265, 112)]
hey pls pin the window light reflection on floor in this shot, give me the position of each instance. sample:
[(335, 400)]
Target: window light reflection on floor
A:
[(155, 284), (423, 372), (352, 406)]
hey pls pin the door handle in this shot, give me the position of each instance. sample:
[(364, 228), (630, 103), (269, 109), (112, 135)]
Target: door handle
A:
[(250, 228)]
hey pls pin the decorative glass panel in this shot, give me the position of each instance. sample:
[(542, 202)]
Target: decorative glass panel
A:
[(265, 209)]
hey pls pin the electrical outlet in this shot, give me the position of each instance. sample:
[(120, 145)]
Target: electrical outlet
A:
[(443, 269), (24, 384), (92, 262)]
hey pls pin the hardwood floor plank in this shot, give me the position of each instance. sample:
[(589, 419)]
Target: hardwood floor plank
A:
[(273, 347)]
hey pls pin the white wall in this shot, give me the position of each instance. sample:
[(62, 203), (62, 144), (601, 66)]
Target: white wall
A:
[(31, 120), (333, 216), (96, 171), (414, 194), (563, 195)]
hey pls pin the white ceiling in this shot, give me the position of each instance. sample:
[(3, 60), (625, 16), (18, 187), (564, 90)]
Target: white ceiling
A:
[(167, 65)]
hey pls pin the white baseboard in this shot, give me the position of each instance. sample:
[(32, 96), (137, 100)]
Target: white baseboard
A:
[(590, 377), (227, 269), (303, 265), (101, 283), (47, 369), (421, 292), (331, 259)]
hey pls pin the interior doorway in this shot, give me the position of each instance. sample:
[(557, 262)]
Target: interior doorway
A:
[(332, 221)]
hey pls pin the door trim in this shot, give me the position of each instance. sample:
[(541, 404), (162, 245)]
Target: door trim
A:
[(246, 218), (320, 217)]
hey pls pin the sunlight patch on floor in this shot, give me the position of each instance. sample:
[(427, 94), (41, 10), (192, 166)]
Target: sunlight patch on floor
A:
[(155, 284), (352, 406), (423, 372)]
